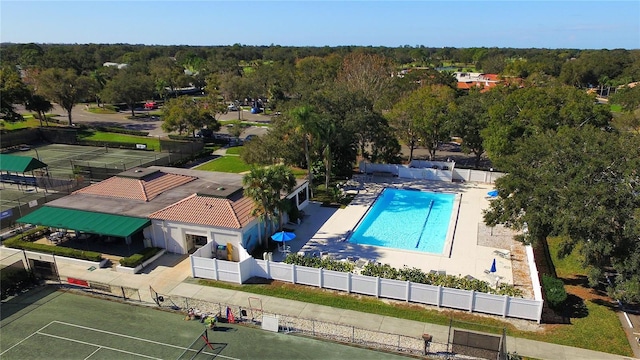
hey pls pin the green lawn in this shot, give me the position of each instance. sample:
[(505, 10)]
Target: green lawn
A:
[(600, 329), (151, 142), (30, 121), (236, 150), (299, 173), (569, 266), (231, 164), (616, 108)]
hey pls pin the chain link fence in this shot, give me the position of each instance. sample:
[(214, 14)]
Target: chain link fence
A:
[(349, 334)]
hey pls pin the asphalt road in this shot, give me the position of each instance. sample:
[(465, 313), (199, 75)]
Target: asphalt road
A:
[(80, 116)]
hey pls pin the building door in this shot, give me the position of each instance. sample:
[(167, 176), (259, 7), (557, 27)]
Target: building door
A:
[(44, 269), (195, 242)]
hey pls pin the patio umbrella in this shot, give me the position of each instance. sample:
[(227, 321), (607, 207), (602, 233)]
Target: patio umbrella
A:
[(283, 236), (493, 267)]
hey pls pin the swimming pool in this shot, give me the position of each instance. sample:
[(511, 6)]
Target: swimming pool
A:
[(408, 220)]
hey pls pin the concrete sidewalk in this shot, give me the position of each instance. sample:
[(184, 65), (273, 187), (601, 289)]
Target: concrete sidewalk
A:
[(167, 276)]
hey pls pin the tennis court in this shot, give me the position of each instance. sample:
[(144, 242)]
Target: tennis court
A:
[(11, 197), (61, 157), (62, 325)]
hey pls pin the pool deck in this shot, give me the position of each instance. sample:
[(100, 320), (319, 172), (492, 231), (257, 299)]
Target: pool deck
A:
[(466, 256)]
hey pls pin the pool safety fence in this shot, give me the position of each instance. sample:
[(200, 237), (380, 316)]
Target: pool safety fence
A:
[(468, 300)]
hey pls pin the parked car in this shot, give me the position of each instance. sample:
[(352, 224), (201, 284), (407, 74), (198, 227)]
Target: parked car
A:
[(232, 107), (250, 137), (150, 105)]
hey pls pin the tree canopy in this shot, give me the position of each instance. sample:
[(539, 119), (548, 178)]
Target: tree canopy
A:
[(12, 91), (130, 87), (581, 183), (64, 87)]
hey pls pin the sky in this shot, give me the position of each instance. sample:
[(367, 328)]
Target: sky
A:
[(508, 23)]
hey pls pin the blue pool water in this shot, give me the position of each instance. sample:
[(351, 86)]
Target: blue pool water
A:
[(407, 219)]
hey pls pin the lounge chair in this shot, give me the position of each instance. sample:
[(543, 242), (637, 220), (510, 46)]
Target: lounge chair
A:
[(505, 254)]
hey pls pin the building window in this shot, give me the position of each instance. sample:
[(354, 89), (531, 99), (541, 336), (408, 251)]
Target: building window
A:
[(302, 196)]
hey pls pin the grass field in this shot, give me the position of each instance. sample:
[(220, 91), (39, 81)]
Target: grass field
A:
[(48, 324), (231, 164), (616, 108), (598, 327), (236, 150), (152, 143)]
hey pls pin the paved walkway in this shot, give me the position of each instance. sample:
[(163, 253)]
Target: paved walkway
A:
[(167, 276)]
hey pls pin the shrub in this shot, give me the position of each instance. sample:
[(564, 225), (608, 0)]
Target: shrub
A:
[(29, 235), (182, 137), (137, 259), (122, 131), (17, 243), (316, 262), (414, 275), (554, 291)]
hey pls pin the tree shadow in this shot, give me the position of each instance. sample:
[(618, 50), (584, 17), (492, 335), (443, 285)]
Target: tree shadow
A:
[(26, 302), (574, 307), (578, 280), (608, 304)]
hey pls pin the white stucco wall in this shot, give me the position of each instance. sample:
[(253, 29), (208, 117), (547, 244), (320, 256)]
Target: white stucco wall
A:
[(172, 235)]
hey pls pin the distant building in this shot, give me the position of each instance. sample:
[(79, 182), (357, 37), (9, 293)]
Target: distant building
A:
[(469, 80), (112, 64)]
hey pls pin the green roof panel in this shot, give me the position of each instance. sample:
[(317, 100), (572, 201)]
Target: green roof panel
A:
[(86, 221), (19, 163)]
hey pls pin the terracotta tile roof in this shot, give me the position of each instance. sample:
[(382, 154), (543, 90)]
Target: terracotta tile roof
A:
[(136, 189), (211, 211), (484, 85), (492, 77), (464, 85)]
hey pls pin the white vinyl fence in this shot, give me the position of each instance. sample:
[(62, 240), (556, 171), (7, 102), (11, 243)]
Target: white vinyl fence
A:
[(431, 170), (472, 301)]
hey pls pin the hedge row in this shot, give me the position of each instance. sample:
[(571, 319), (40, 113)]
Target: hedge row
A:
[(137, 259), (111, 144), (122, 131), (405, 274), (316, 262), (16, 242), (182, 137), (31, 234)]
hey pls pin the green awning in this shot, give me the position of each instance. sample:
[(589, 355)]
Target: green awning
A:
[(86, 221), (16, 163)]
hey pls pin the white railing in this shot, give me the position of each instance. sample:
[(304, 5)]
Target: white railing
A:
[(472, 301)]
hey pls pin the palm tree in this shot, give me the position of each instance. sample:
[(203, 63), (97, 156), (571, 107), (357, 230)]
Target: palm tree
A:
[(265, 187), (306, 120), (327, 132), (255, 187), (282, 182)]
